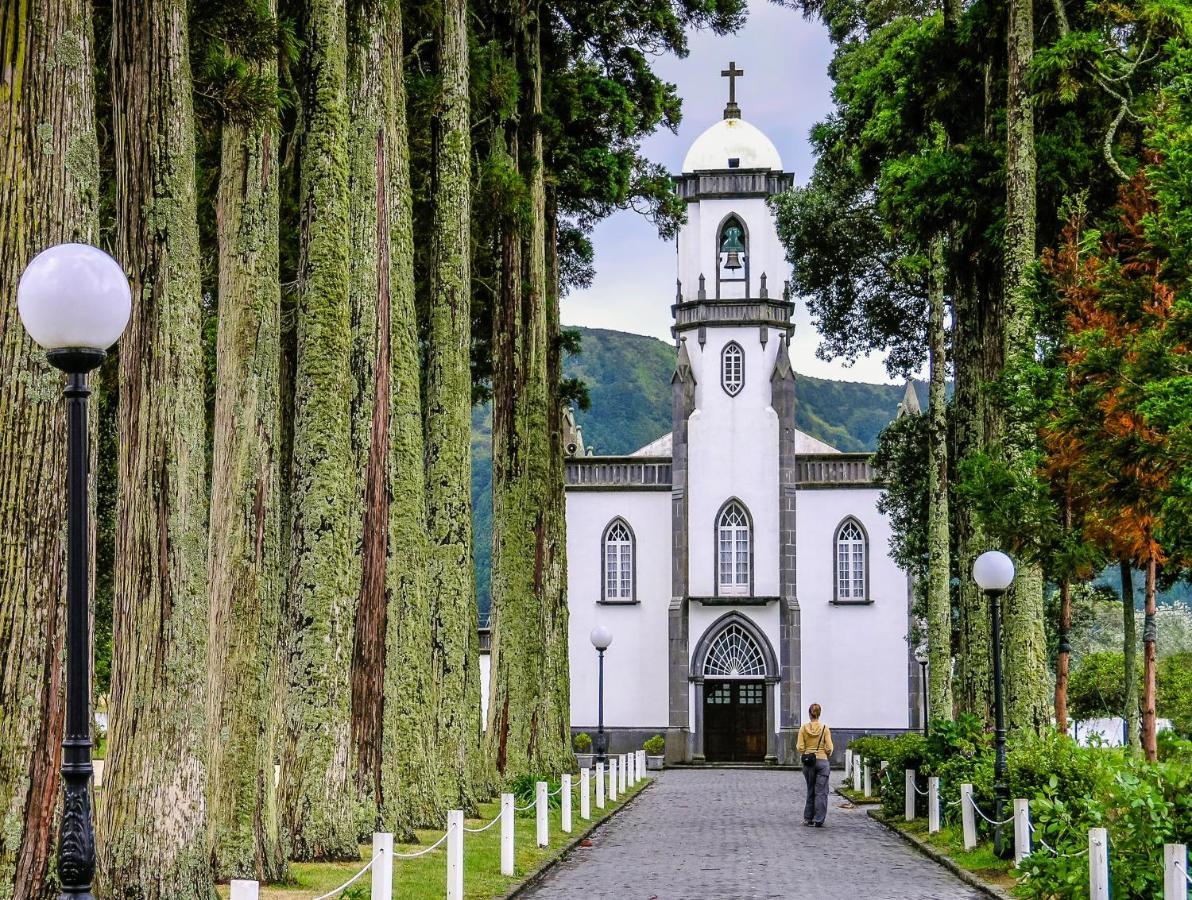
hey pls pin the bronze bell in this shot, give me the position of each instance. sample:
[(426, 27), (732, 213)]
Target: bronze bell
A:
[(732, 247)]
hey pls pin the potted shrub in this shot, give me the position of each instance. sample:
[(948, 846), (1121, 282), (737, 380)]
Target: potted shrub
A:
[(583, 749), (654, 748)]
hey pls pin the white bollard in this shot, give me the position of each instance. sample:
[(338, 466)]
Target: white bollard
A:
[(585, 800), (967, 817), (848, 763), (382, 867), (1022, 830), (622, 783), (612, 779), (600, 785), (641, 763), (856, 773), (507, 834), (933, 805), (868, 782), (243, 889), (1175, 872), (455, 854), (1098, 864), (631, 761), (541, 809), (909, 801), (565, 797)]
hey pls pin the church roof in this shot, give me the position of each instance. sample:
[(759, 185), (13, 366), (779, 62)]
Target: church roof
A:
[(804, 443), (732, 139)]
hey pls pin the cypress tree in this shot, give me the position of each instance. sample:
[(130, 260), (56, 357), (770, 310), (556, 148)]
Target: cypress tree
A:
[(153, 839), (318, 815), (455, 675), (244, 558), (48, 195)]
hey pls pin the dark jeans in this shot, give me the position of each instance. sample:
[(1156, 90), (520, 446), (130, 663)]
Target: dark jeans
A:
[(816, 776)]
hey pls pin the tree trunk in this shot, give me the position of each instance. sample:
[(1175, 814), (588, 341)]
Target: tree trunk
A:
[(939, 563), (524, 733), (244, 562), (49, 185), (318, 813), (153, 821), (455, 673), (1062, 658), (1130, 655), (1027, 680), (1149, 734)]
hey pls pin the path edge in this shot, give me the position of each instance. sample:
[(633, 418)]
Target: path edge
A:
[(944, 860), (541, 872)]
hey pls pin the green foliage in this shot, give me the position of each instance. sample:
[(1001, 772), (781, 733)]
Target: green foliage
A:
[(1174, 691), (655, 745), (901, 465), (525, 787), (582, 742), (1097, 686)]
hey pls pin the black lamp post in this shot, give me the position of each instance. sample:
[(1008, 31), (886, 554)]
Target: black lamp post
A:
[(921, 659), (74, 301), (994, 573), (601, 639)]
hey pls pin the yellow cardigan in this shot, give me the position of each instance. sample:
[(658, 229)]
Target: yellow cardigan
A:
[(809, 740)]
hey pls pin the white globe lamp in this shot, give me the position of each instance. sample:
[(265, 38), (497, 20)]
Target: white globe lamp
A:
[(601, 637), (74, 301), (993, 570)]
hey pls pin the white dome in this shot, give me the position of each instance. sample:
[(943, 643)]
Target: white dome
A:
[(732, 139)]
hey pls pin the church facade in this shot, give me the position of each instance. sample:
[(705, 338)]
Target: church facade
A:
[(740, 565)]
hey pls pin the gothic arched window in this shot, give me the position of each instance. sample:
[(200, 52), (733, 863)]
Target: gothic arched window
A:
[(732, 259), (618, 562), (732, 368), (734, 550), (852, 561)]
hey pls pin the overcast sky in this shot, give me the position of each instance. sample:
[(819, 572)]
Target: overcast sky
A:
[(784, 92)]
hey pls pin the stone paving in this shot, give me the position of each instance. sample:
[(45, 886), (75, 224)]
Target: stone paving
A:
[(737, 834)]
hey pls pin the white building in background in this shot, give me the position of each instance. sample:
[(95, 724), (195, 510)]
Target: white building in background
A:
[(741, 565)]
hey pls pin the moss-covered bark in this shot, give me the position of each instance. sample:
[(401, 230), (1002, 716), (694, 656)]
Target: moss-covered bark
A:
[(939, 561), (153, 829), (1028, 701), (455, 674), (244, 562), (392, 722), (524, 734), (49, 174), (317, 807), (1130, 656)]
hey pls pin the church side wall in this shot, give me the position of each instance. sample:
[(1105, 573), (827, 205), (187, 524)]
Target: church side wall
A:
[(635, 665), (854, 656)]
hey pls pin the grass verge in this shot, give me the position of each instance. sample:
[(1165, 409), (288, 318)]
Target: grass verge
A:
[(948, 844), (857, 797), (425, 878)]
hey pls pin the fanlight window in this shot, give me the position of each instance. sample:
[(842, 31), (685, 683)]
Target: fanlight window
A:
[(618, 562), (732, 562), (850, 562), (732, 368), (734, 654)]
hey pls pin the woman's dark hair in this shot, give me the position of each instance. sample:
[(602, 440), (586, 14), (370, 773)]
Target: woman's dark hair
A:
[(815, 710)]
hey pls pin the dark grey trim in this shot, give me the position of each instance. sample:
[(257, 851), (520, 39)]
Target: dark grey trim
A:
[(782, 401), (846, 486), (716, 546), (615, 520), (635, 488), (706, 184), (739, 312), (866, 602), (733, 601), (723, 352), (678, 733), (836, 563)]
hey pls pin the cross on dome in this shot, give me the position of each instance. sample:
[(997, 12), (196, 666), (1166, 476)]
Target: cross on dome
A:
[(731, 109)]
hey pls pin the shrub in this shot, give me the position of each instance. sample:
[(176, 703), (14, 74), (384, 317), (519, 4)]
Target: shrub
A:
[(655, 745), (525, 787), (1174, 688), (1098, 685), (582, 742)]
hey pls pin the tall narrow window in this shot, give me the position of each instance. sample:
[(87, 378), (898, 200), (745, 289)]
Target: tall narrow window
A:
[(851, 562), (733, 550), (618, 562), (732, 368)]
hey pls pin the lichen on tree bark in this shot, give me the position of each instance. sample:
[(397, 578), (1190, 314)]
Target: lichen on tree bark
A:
[(153, 839), (319, 817), (244, 561), (49, 185)]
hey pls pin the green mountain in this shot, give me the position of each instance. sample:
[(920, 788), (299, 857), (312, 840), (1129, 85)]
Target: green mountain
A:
[(628, 379)]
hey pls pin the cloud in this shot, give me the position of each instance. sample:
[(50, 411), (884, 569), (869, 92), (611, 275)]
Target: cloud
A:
[(785, 91)]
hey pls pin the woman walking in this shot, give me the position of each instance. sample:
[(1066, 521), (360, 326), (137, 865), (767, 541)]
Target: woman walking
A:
[(815, 749)]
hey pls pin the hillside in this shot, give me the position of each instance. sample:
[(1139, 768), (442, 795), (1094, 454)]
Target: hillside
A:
[(628, 379)]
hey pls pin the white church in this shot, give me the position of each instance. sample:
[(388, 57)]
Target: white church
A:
[(741, 566)]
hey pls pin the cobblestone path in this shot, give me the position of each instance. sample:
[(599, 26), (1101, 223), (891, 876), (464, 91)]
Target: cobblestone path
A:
[(725, 834)]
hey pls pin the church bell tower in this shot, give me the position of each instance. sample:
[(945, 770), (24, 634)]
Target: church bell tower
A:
[(733, 410)]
